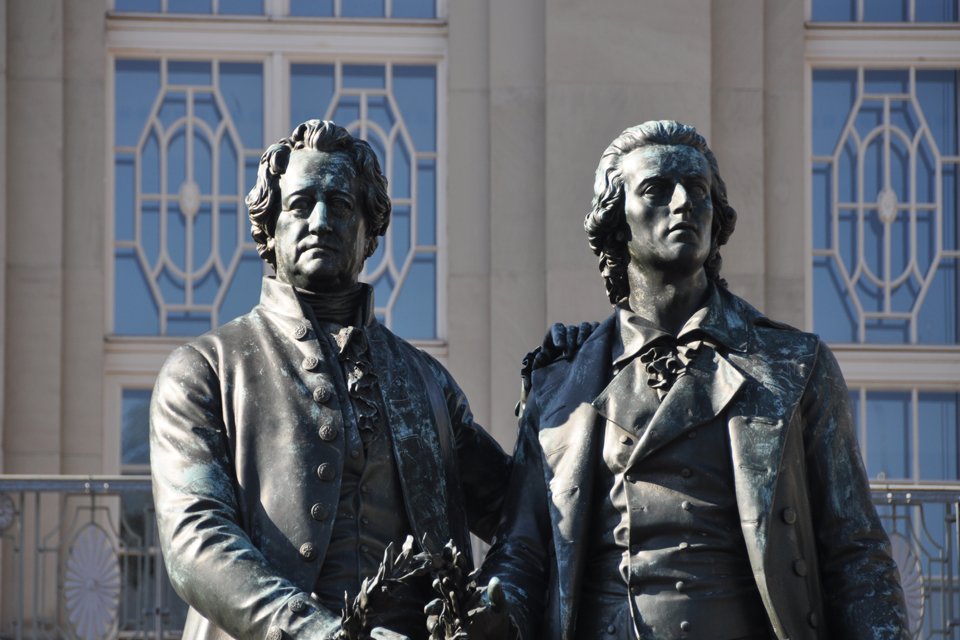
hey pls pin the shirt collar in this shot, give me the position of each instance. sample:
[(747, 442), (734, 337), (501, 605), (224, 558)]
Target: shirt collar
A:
[(710, 321)]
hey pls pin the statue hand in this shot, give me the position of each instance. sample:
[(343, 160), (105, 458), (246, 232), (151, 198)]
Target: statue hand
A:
[(489, 619), (563, 341)]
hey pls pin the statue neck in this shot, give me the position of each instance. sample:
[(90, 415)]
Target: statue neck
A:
[(342, 307), (667, 299)]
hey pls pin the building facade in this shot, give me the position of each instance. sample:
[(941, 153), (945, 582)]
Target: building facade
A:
[(130, 131)]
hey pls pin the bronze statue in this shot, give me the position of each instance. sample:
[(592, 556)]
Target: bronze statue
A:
[(693, 471), (292, 445)]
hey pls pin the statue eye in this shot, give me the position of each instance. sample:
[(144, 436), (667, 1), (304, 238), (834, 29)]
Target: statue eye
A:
[(655, 188), (698, 191), (300, 204)]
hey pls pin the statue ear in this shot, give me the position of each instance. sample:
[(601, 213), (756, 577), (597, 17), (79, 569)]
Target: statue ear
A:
[(371, 246)]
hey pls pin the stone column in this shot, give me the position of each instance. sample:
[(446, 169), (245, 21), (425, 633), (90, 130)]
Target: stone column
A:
[(610, 64), (517, 199), (85, 230)]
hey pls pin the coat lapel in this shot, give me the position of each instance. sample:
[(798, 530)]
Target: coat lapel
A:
[(568, 435), (698, 396), (416, 441)]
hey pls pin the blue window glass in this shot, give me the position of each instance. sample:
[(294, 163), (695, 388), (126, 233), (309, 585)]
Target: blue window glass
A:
[(394, 108), (414, 9), (892, 430), (884, 11), (188, 137), (937, 413), (135, 427), (200, 7), (140, 6), (363, 9), (888, 450), (885, 205), (312, 8)]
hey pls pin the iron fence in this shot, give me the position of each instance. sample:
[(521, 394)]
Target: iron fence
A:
[(79, 558)]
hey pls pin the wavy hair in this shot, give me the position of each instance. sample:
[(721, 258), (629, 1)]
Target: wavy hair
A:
[(606, 222), (263, 201)]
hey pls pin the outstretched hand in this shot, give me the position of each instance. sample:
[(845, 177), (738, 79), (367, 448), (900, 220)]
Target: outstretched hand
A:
[(489, 619)]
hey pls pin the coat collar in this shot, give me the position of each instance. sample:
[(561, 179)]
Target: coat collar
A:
[(711, 321), (281, 299)]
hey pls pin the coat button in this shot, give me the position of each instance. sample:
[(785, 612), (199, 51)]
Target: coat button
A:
[(685, 626), (310, 363), (326, 472), (329, 432), (274, 633), (626, 440), (301, 331), (634, 589), (789, 515), (683, 545), (323, 392), (319, 512), (685, 505), (812, 619), (611, 630), (308, 551), (681, 585), (800, 567), (686, 473), (298, 605)]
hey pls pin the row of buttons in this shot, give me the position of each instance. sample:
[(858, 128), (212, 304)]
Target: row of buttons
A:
[(789, 516)]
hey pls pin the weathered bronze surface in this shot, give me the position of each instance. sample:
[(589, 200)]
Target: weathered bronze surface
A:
[(693, 471), (292, 445)]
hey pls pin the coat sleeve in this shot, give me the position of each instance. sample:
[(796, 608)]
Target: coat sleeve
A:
[(861, 588), (520, 556), (211, 561), (484, 467)]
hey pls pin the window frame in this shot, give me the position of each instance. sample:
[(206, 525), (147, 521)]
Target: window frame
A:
[(853, 45), (278, 42)]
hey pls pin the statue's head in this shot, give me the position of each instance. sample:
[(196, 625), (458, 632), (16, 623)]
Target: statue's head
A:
[(640, 152), (319, 206)]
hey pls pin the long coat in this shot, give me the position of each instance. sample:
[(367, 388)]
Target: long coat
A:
[(819, 554), (238, 420)]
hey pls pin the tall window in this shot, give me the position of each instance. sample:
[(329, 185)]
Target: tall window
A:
[(198, 88), (884, 179)]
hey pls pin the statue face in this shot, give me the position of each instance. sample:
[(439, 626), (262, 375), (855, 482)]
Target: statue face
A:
[(668, 208), (320, 233)]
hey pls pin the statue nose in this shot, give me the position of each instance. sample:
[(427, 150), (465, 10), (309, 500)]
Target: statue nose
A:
[(681, 199), (319, 218)]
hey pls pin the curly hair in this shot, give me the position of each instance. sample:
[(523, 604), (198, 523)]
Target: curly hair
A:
[(263, 201), (606, 222)]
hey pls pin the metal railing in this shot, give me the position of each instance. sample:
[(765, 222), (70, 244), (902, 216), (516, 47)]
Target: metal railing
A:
[(79, 558)]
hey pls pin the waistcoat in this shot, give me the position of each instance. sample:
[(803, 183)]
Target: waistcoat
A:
[(667, 550)]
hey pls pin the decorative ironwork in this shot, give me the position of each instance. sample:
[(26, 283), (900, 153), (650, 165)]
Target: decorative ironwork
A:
[(885, 206), (73, 537), (91, 583), (83, 561), (7, 512)]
